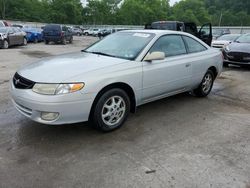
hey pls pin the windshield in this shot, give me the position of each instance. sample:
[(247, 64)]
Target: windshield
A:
[(228, 37), (126, 45), (3, 30), (244, 39)]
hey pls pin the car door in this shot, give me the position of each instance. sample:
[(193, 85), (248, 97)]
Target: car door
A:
[(12, 37), (168, 76), (205, 33), (18, 35), (198, 58)]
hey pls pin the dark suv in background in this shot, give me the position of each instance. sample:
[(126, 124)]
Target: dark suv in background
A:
[(57, 34), (204, 33)]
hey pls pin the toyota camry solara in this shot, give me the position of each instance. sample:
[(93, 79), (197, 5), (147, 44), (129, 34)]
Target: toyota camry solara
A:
[(108, 80)]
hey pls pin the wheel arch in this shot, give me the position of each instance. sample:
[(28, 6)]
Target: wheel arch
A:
[(214, 70), (120, 85)]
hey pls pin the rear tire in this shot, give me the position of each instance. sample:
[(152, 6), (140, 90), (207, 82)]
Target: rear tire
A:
[(111, 110), (36, 40), (64, 42), (206, 85), (71, 40), (46, 41)]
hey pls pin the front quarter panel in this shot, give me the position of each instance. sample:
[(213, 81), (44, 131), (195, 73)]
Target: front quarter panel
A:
[(129, 72)]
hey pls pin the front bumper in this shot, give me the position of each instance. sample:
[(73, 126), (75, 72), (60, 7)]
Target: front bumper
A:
[(72, 108), (236, 62), (239, 60)]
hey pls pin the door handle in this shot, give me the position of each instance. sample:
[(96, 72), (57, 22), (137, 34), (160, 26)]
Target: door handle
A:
[(188, 65)]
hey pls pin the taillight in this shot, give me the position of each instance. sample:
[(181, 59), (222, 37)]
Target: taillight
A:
[(62, 34)]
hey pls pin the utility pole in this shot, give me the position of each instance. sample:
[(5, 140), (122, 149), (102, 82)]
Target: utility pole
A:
[(3, 9), (220, 18)]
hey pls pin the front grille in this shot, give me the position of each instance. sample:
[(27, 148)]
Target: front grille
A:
[(22, 83), (238, 56)]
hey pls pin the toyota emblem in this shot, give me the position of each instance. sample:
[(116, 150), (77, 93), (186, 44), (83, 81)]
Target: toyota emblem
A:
[(17, 81)]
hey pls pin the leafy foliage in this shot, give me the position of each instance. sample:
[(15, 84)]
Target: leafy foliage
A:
[(128, 12)]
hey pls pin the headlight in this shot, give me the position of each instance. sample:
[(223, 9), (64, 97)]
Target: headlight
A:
[(227, 48), (56, 89)]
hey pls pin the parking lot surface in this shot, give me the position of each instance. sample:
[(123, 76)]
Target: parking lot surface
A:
[(181, 141)]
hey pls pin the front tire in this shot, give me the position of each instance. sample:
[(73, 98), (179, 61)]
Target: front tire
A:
[(206, 85), (225, 64), (24, 41), (111, 110), (5, 44)]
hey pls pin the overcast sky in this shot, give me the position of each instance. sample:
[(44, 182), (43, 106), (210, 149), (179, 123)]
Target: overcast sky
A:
[(172, 2)]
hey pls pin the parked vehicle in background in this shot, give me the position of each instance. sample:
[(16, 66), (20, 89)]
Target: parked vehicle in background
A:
[(205, 32), (224, 40), (57, 33), (34, 34), (88, 32), (95, 32), (219, 32), (238, 52), (104, 32), (22, 26), (108, 80), (76, 31), (11, 36), (4, 24)]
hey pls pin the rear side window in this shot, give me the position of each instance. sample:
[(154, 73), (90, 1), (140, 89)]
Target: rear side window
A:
[(164, 25), (52, 27), (171, 45), (193, 45), (16, 29)]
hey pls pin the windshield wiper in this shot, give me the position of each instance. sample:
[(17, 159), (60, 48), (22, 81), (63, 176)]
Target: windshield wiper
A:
[(101, 53)]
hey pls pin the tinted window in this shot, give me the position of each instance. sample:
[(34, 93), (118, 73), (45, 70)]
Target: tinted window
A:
[(228, 37), (193, 45), (16, 30), (244, 39), (164, 25), (171, 45), (4, 30), (64, 28), (52, 27)]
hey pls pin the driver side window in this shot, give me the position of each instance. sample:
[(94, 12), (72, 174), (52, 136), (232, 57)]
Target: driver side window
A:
[(171, 45)]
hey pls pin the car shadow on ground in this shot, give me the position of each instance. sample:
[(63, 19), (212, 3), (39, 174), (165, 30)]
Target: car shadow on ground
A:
[(33, 134)]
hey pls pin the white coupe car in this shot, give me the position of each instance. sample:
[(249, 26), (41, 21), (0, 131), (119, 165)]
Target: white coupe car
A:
[(109, 79)]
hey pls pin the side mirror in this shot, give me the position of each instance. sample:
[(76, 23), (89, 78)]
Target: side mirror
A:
[(155, 56)]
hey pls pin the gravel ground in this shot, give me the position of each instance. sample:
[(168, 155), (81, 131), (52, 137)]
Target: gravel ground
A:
[(181, 141)]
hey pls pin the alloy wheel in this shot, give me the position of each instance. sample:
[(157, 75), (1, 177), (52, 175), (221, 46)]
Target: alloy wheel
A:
[(113, 110), (207, 83)]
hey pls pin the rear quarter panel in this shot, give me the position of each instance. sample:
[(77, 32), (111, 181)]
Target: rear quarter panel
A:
[(202, 61)]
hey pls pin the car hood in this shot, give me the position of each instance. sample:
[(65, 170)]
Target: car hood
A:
[(61, 68), (239, 47)]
